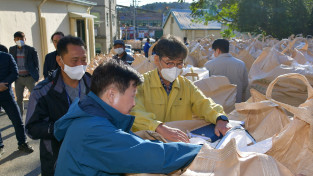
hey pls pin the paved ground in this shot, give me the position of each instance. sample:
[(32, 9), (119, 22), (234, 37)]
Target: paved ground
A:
[(13, 162)]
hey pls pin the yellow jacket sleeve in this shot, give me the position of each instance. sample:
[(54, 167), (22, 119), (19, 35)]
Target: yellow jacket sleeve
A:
[(143, 120)]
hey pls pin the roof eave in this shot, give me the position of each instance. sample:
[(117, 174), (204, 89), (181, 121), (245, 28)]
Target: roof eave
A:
[(80, 2)]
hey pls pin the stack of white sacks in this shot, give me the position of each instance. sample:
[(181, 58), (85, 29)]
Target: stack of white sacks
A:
[(267, 120)]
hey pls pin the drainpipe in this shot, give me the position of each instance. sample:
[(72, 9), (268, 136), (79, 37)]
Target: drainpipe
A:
[(43, 35), (91, 36), (110, 18)]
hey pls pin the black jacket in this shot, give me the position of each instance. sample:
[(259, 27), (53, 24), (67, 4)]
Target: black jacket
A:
[(50, 64), (126, 58), (31, 58), (47, 103), (8, 74)]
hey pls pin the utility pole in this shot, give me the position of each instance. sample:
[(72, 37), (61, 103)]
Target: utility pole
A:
[(110, 17), (134, 21)]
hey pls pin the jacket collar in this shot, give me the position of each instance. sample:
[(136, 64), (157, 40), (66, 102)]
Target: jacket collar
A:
[(56, 78), (223, 55), (156, 82), (119, 120)]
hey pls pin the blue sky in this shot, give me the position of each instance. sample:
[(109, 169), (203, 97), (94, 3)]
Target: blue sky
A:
[(143, 2)]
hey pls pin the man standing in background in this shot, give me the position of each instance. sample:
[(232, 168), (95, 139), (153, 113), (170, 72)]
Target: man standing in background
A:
[(26, 58), (8, 74), (225, 64), (147, 47), (119, 49), (50, 60), (52, 97)]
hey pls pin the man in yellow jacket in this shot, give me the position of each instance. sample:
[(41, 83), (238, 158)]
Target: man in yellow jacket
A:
[(165, 96)]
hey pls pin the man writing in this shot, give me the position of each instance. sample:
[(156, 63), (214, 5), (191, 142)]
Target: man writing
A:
[(166, 96), (52, 97)]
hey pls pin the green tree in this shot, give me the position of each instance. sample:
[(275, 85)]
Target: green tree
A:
[(279, 18)]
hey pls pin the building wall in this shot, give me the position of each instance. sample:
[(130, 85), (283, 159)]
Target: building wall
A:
[(103, 38), (22, 15), (171, 27), (57, 19)]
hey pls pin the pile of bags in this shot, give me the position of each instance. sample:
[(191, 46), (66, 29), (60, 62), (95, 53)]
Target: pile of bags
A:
[(279, 111), (95, 62), (136, 44), (289, 142)]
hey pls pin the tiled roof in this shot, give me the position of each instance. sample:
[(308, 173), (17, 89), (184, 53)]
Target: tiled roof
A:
[(184, 20)]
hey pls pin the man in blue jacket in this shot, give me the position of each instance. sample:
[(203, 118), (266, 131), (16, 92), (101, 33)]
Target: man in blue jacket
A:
[(8, 74), (26, 58), (147, 47), (96, 131)]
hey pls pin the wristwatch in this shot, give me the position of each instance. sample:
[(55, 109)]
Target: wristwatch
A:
[(222, 117)]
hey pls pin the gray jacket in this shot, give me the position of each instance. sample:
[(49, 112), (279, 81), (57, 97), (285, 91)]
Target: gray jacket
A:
[(234, 69)]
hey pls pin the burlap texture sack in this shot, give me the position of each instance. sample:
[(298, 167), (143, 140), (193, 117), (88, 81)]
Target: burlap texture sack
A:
[(226, 161), (136, 44), (255, 97), (293, 146), (229, 161), (220, 90), (143, 64), (262, 119), (272, 63), (246, 57)]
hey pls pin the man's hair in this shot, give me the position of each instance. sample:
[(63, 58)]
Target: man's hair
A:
[(19, 34), (57, 33), (221, 44), (148, 40), (114, 73), (63, 42), (171, 47), (3, 48)]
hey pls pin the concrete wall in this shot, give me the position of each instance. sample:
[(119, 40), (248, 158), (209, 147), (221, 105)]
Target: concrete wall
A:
[(19, 15), (103, 38), (22, 15)]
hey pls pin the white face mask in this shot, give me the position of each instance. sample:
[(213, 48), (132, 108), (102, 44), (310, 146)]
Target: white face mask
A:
[(170, 74), (75, 73), (119, 51), (20, 43)]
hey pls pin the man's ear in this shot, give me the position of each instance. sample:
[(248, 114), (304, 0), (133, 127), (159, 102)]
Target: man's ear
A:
[(58, 59), (111, 93), (156, 60)]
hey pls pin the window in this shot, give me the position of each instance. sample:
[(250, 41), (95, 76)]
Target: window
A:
[(113, 20), (107, 19), (81, 29)]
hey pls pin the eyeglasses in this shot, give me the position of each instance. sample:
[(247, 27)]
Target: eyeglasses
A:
[(172, 64)]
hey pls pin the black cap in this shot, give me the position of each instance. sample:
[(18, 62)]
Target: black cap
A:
[(121, 42)]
